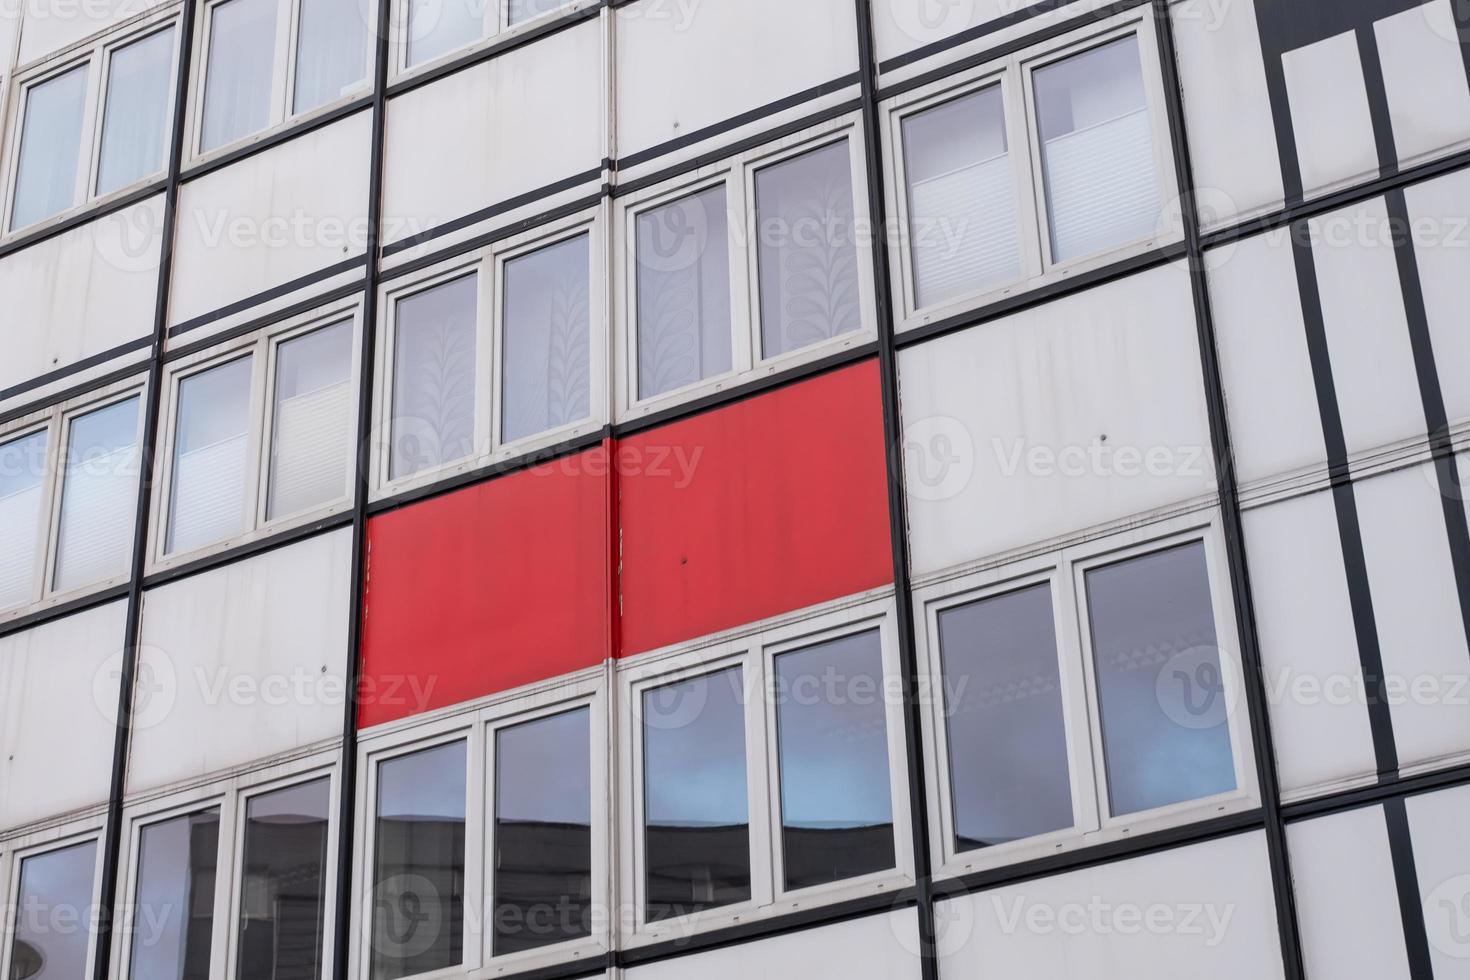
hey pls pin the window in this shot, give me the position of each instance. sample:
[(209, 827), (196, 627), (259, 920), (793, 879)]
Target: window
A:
[(22, 483), (311, 434), (50, 144), (284, 883), (175, 897), (133, 125), (436, 28), (434, 377), (207, 496), (53, 888), (98, 491), (547, 342)]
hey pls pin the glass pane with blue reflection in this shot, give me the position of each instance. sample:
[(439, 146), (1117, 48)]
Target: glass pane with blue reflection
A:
[(173, 930)]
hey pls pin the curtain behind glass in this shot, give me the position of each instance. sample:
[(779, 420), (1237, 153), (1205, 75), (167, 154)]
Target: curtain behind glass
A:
[(97, 495), (547, 346), (22, 464), (237, 87), (134, 118), (331, 52), (50, 145)]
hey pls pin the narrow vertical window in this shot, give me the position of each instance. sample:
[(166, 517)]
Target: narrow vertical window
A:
[(22, 469), (173, 927), (134, 118), (211, 432), (50, 147), (283, 888), (806, 250), (524, 10), (1102, 186), (419, 863), (437, 27), (55, 887), (310, 435), (543, 832), (238, 78), (331, 51), (683, 285), (548, 340), (1160, 688), (696, 831), (1008, 771), (962, 198), (832, 738), (434, 377), (98, 494)]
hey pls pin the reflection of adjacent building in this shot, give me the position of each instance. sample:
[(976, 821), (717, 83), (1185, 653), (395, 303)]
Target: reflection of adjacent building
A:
[(281, 907), (543, 884), (418, 900)]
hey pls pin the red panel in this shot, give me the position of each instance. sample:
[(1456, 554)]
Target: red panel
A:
[(768, 505), (485, 589)]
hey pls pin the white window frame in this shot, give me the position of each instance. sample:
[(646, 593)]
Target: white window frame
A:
[(1014, 73), (1064, 572), (495, 27), (488, 266), (754, 651), (737, 175), (97, 59), (55, 838), (476, 724), (263, 346)]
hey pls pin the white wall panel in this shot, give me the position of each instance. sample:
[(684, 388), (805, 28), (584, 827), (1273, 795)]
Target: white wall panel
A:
[(287, 212), (58, 700), (251, 659), (1329, 113), (684, 67), (49, 27), (1346, 900), (1437, 824), (1424, 75), (1441, 208), (1026, 402), (1204, 912), (900, 26)]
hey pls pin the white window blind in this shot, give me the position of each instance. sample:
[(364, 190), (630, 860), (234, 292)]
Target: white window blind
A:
[(310, 438), (22, 464), (98, 493), (211, 434), (50, 147)]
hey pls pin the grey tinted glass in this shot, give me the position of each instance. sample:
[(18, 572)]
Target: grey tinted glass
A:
[(98, 491), (1008, 769), (209, 474), (434, 377), (806, 250), (331, 51), (310, 431), (55, 887), (437, 27), (174, 925), (548, 337), (237, 83), (283, 885), (683, 292), (137, 107), (543, 832), (22, 467), (832, 733), (523, 10), (696, 816), (418, 863), (50, 146), (1165, 723)]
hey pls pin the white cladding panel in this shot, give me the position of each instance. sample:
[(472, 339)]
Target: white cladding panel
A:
[(1442, 862), (58, 701), (249, 661), (1329, 113), (1442, 208), (1424, 76), (900, 26), (49, 27)]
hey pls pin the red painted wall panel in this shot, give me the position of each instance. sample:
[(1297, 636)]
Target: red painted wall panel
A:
[(765, 506)]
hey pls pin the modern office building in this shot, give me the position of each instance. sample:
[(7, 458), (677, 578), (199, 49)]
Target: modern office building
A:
[(717, 489)]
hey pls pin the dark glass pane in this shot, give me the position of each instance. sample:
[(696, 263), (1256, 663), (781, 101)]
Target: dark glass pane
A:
[(51, 915), (832, 733), (543, 832), (173, 923), (696, 815), (281, 902)]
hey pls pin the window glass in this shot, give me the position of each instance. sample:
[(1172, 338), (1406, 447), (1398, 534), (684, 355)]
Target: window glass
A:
[(418, 864), (434, 377), (832, 734), (806, 250), (523, 10), (696, 813), (174, 924), (55, 887), (962, 198), (437, 27), (683, 284), (282, 896), (135, 117), (543, 832), (1102, 187), (22, 466), (239, 76), (1165, 724), (50, 147), (1008, 769), (210, 437), (98, 493), (548, 340), (331, 51), (310, 433)]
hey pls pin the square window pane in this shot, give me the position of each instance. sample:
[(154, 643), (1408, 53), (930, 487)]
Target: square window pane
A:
[(1102, 186), (98, 492), (543, 832), (832, 737), (22, 467), (524, 10), (1161, 696), (437, 27), (238, 78), (311, 435), (696, 835), (434, 377), (806, 250), (683, 292), (548, 340), (961, 198), (136, 114), (54, 887), (50, 147), (1008, 770), (418, 863), (174, 925), (207, 502), (331, 51), (283, 891)]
